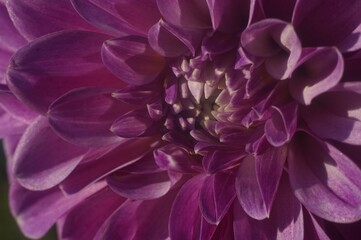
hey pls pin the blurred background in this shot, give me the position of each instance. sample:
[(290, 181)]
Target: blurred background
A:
[(8, 227)]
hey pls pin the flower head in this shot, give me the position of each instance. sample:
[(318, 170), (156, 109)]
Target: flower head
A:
[(199, 119)]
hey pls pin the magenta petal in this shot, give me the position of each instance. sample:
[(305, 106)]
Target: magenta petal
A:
[(185, 14), (318, 70), (69, 227), (140, 186), (10, 125), (39, 166), (186, 221), (174, 158), (139, 220), (143, 94), (132, 60), (228, 15), (84, 116), (316, 25), (103, 15), (37, 211), (215, 161), (324, 180), (99, 164), (27, 15), (39, 73), (140, 14), (216, 196)]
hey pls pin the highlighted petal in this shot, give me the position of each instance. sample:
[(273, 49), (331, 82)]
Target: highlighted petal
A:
[(39, 166), (324, 180), (319, 70)]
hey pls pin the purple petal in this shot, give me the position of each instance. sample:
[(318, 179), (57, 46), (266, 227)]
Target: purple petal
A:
[(174, 158), (140, 14), (280, 128), (90, 223), (132, 220), (84, 116), (281, 9), (142, 95), (37, 211), (319, 70), (317, 25), (140, 186), (104, 15), (228, 15), (216, 196), (39, 73), (132, 60), (134, 124), (215, 161), (39, 166), (186, 221), (27, 15), (275, 40), (10, 125), (352, 42), (185, 14), (324, 180), (93, 168)]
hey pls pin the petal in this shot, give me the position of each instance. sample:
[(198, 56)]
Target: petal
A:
[(139, 186), (88, 125), (215, 161), (216, 196), (103, 14), (228, 15), (275, 40), (37, 211), (53, 16), (319, 70), (140, 14), (324, 180), (132, 60), (280, 128), (132, 220), (39, 73), (142, 95), (37, 162), (317, 25), (10, 125), (93, 168), (185, 14), (186, 221), (90, 223), (173, 157), (281, 9)]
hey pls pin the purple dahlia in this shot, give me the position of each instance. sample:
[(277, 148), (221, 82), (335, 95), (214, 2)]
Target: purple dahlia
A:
[(183, 119)]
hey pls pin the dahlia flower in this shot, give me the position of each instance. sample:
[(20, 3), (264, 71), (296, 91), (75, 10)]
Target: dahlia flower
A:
[(182, 119)]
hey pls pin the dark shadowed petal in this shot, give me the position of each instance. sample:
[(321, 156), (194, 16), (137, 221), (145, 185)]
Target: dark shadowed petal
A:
[(216, 196), (39, 166), (37, 211), (281, 9), (276, 41), (140, 14), (104, 16), (90, 215), (51, 65), (93, 168), (139, 186), (313, 229), (228, 15), (53, 16), (139, 220), (132, 60), (319, 70), (280, 128), (352, 42), (325, 22), (185, 14), (186, 221), (84, 116), (324, 180)]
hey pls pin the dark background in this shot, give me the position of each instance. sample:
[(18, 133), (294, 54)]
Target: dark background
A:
[(8, 227)]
